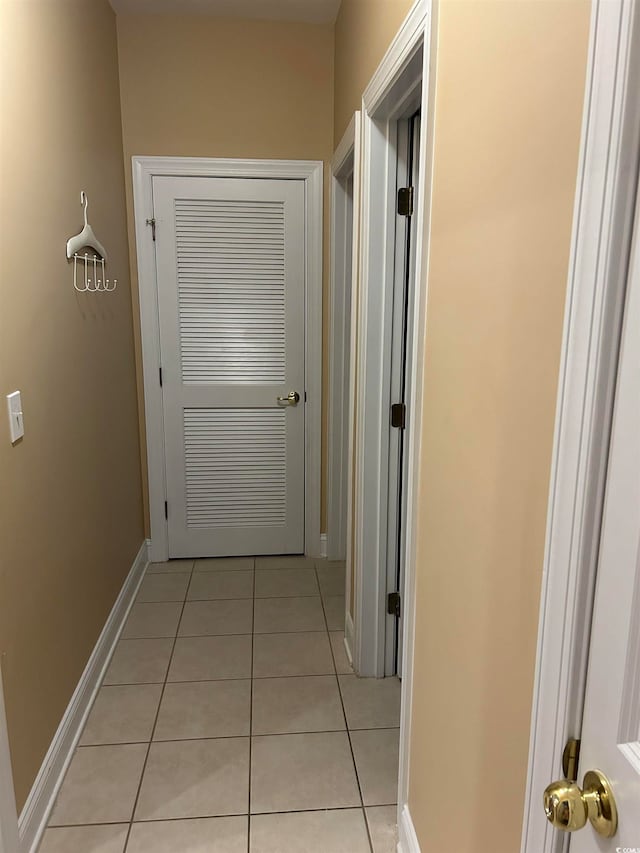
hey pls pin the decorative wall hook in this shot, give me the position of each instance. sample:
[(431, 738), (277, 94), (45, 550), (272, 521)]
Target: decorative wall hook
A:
[(96, 262)]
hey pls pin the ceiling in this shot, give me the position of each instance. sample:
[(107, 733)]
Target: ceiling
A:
[(311, 11)]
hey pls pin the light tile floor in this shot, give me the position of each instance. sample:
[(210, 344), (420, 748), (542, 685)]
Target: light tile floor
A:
[(230, 721)]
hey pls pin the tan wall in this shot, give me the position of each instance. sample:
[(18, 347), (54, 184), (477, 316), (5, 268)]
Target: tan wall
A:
[(209, 87), (510, 84), (70, 500), (364, 30)]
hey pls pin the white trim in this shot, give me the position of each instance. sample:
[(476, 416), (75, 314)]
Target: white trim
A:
[(407, 838), (344, 164), (8, 814), (355, 258), (349, 636), (323, 545), (393, 81), (35, 814), (310, 171), (418, 357), (602, 221), (418, 29), (405, 43)]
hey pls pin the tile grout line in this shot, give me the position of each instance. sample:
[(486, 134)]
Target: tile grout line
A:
[(346, 722), (217, 817), (228, 634), (240, 678), (239, 737), (155, 722)]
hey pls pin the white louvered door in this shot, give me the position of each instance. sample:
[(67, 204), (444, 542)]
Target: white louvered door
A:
[(230, 258)]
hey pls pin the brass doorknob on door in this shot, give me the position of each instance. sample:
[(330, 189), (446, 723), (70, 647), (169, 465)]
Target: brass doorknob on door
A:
[(568, 807), (292, 398)]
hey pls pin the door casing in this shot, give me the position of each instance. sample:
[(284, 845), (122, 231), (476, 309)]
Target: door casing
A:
[(408, 63), (603, 217), (394, 95), (345, 166), (310, 171)]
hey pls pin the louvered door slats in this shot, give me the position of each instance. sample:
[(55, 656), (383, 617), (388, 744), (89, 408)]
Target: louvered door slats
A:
[(231, 290), (222, 496)]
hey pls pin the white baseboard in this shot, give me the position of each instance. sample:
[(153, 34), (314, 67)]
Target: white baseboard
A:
[(349, 633), (407, 838), (323, 544), (35, 814)]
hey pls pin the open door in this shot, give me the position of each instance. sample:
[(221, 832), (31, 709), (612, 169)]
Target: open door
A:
[(602, 807), (403, 302)]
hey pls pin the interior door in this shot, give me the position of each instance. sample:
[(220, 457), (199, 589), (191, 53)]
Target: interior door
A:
[(230, 273), (404, 297), (610, 739), (611, 724)]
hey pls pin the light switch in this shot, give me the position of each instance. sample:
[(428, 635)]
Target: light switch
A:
[(16, 421)]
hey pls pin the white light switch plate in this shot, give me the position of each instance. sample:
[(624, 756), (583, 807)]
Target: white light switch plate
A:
[(16, 421)]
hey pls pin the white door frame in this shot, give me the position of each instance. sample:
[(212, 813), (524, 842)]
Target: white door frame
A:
[(404, 67), (597, 274), (345, 163), (310, 171), (417, 31)]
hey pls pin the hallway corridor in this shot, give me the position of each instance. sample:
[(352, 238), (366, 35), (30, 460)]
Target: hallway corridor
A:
[(229, 720)]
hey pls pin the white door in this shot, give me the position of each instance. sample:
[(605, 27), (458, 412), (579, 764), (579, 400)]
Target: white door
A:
[(401, 343), (610, 740), (230, 273)]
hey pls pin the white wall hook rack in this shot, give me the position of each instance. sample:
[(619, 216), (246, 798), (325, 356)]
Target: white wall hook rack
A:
[(92, 263)]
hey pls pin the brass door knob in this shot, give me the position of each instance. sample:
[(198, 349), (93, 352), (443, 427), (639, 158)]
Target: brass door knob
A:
[(292, 399), (568, 807)]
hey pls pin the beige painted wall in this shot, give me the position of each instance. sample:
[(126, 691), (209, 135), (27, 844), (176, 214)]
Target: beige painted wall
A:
[(510, 85), (209, 87), (364, 30), (70, 499)]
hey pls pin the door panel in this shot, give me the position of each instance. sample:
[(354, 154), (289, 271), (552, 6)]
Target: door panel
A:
[(230, 258), (408, 144), (611, 724)]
